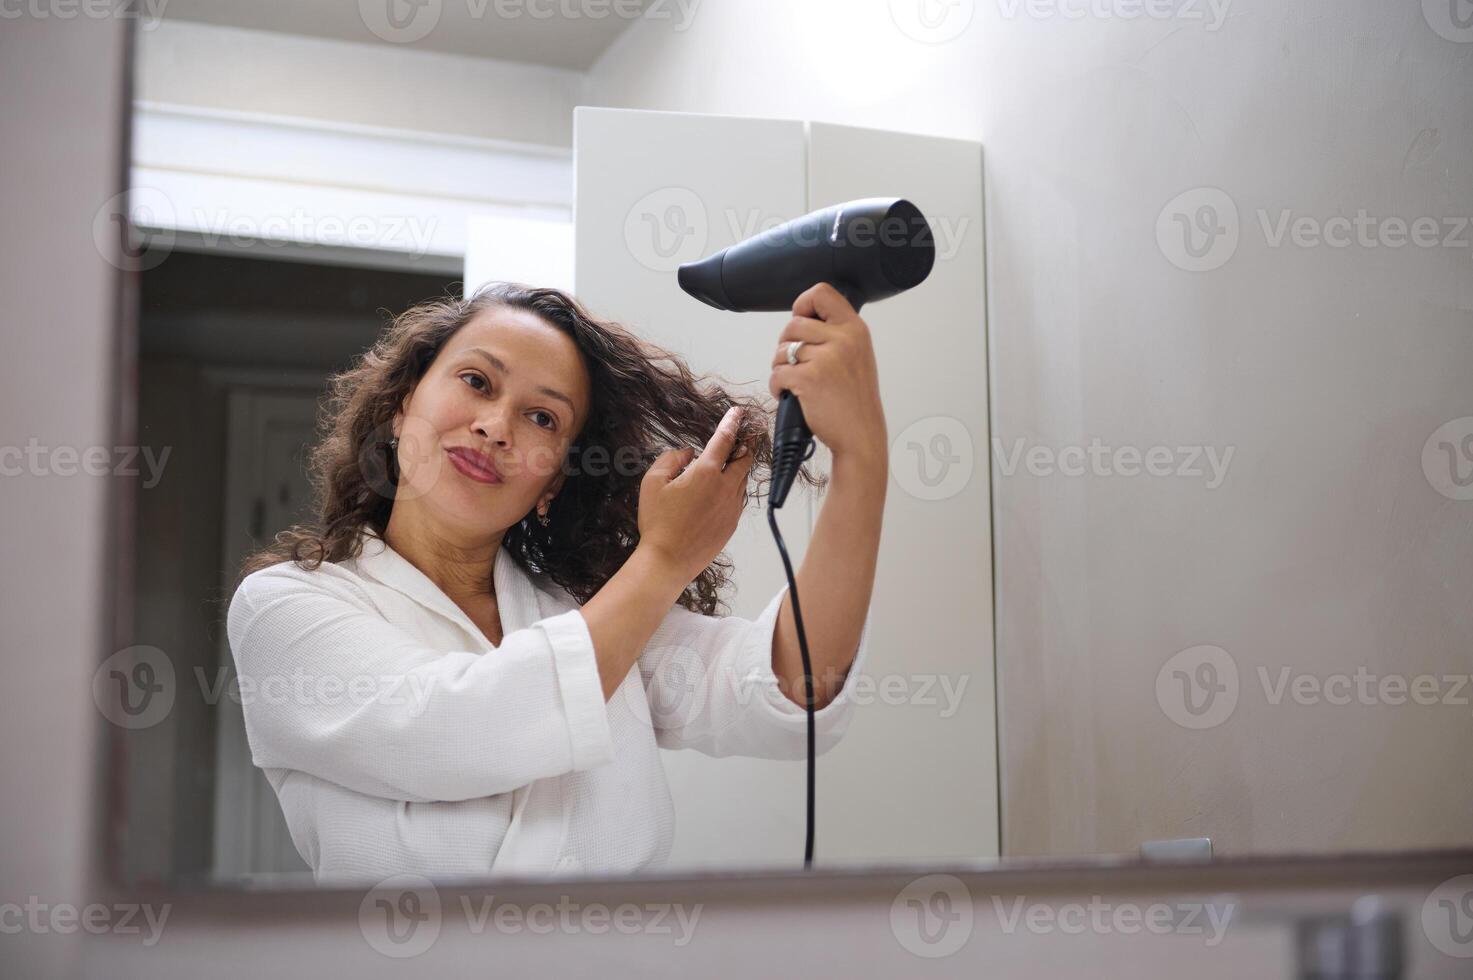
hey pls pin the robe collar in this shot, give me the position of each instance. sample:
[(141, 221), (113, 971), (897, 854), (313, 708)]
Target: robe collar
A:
[(516, 593)]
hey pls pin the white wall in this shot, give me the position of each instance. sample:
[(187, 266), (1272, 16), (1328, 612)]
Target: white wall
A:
[(382, 85), (1325, 549)]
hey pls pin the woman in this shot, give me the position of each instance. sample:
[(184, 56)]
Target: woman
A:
[(439, 666)]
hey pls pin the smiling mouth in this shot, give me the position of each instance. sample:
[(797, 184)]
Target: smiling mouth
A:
[(470, 465)]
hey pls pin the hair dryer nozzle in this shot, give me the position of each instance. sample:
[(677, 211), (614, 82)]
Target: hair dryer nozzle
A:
[(703, 280)]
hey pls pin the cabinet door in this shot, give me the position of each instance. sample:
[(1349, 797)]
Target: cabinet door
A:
[(920, 761), (656, 189)]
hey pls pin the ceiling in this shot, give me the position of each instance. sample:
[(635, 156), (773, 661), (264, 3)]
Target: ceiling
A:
[(533, 31)]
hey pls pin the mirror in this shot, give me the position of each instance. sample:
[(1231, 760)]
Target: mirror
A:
[(1182, 578)]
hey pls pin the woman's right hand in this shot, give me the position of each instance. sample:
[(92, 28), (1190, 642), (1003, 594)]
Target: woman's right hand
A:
[(686, 518)]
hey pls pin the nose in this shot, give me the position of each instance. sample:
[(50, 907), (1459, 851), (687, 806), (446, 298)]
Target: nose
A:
[(493, 426)]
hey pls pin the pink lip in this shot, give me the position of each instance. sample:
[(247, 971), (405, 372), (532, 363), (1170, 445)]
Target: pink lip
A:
[(474, 465)]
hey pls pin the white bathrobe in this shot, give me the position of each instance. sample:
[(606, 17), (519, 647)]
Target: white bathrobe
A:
[(400, 741)]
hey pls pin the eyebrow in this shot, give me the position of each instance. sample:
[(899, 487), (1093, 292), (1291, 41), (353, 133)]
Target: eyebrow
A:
[(500, 365)]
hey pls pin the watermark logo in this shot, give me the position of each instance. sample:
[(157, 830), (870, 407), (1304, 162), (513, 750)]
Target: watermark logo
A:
[(1447, 459), (137, 230), (400, 916), (123, 919), (1212, 13), (1447, 917), (684, 686), (35, 459), (407, 470), (134, 688), (1198, 687), (400, 21), (1102, 917), (932, 458), (147, 12), (1100, 460), (1198, 229), (932, 21), (932, 916), (1451, 19), (666, 228), (117, 229)]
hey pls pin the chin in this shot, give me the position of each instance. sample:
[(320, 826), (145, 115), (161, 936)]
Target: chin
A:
[(473, 506)]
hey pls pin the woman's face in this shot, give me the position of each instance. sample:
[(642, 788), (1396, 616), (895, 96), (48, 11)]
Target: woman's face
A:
[(508, 391)]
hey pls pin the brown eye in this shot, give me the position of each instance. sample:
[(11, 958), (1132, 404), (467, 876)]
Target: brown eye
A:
[(472, 374)]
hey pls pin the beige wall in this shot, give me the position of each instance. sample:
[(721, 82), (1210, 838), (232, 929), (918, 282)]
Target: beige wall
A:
[(1324, 550), (62, 122)]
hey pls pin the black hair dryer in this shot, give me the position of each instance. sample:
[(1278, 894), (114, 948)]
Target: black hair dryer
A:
[(867, 249)]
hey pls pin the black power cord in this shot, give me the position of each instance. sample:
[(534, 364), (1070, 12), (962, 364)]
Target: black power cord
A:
[(787, 459)]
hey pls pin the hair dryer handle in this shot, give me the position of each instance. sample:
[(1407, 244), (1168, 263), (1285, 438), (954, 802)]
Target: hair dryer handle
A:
[(792, 441)]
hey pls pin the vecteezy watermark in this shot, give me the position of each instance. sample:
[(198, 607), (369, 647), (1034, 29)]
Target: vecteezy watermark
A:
[(932, 916), (667, 228), (134, 688), (35, 459), (1101, 917), (120, 919), (309, 690), (1100, 460), (137, 687), (136, 230), (148, 13), (407, 21), (1451, 19), (1447, 917), (1199, 230), (1198, 688), (684, 685), (671, 226), (932, 458), (414, 466), (1447, 459), (401, 917), (1211, 13), (932, 21)]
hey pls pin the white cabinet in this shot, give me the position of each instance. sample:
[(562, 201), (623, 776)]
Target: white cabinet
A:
[(916, 775)]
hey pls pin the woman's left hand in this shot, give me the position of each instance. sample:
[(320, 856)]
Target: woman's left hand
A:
[(836, 378)]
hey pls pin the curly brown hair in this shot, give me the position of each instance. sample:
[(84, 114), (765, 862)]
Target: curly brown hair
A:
[(643, 396)]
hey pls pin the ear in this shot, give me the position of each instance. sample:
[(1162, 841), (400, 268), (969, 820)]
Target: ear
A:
[(552, 491), (398, 421)]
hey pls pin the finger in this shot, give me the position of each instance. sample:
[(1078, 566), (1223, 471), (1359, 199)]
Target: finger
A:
[(805, 328), (741, 454), (786, 377), (740, 469), (805, 354), (823, 301), (719, 446), (669, 463)]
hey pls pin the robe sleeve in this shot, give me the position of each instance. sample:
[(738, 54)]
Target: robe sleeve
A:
[(710, 686), (330, 688)]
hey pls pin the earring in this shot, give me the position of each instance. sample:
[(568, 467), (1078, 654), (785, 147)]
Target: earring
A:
[(543, 519), (394, 443)]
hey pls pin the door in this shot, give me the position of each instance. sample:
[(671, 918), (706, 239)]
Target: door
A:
[(267, 490)]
